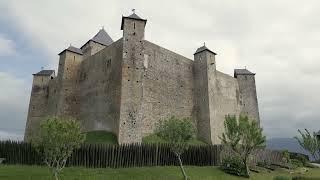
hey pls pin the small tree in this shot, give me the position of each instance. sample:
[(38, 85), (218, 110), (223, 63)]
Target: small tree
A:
[(177, 132), (242, 137), (310, 143), (56, 141)]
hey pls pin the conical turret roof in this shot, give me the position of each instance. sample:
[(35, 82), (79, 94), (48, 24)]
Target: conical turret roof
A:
[(204, 48), (102, 37)]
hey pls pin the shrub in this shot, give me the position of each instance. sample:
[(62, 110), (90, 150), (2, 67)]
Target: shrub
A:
[(286, 156), (56, 141), (300, 158), (296, 163), (281, 178), (234, 165)]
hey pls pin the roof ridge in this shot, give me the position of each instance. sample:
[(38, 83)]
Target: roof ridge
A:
[(102, 37)]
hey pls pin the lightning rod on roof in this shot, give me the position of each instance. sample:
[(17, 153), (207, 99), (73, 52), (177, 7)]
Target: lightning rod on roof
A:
[(133, 11)]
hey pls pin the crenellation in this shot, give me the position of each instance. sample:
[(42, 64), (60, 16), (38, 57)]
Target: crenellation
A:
[(128, 86)]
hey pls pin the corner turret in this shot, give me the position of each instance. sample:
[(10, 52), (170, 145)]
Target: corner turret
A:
[(68, 74), (133, 71), (205, 81), (248, 93), (38, 101)]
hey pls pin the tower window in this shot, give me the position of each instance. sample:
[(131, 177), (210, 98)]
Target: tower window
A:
[(108, 63), (134, 25)]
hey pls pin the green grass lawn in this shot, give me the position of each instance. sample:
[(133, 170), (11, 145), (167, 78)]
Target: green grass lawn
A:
[(101, 137), (11, 172)]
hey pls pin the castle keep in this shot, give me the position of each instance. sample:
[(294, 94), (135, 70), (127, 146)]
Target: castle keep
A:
[(127, 86)]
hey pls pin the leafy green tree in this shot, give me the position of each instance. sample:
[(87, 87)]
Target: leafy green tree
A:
[(56, 141), (310, 143), (177, 132), (243, 137)]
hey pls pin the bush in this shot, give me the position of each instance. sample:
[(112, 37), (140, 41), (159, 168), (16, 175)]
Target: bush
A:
[(296, 163), (301, 158), (233, 165), (281, 178), (286, 156)]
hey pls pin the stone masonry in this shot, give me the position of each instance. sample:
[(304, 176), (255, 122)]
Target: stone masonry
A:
[(128, 86)]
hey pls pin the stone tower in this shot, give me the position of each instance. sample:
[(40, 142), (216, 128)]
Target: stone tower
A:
[(205, 81), (131, 112), (38, 101), (68, 72), (247, 87)]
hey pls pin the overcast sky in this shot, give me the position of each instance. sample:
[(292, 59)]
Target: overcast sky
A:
[(278, 40)]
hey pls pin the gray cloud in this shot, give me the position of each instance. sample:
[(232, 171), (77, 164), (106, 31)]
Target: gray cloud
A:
[(6, 46), (279, 40)]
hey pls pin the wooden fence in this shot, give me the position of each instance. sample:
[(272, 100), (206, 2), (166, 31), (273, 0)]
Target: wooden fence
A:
[(129, 155), (116, 156)]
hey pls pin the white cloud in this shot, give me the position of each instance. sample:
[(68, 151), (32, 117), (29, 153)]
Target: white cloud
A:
[(6, 46), (279, 40), (14, 101)]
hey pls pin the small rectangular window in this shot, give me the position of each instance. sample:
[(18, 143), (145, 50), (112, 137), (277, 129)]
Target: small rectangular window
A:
[(108, 63)]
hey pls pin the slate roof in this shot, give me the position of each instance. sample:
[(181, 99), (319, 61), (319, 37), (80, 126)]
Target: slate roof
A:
[(102, 37), (44, 73), (242, 72), (73, 49), (204, 48), (132, 16)]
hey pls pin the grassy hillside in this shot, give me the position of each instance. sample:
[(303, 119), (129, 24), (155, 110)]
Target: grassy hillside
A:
[(153, 138), (101, 137), (144, 173)]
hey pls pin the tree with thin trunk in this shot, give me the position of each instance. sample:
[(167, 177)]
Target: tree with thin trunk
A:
[(177, 132), (310, 143), (242, 136), (56, 141)]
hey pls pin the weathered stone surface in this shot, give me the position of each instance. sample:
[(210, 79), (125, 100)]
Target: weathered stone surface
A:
[(129, 86)]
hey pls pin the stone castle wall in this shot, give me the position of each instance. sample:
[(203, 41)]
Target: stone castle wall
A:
[(99, 84), (225, 101), (168, 86)]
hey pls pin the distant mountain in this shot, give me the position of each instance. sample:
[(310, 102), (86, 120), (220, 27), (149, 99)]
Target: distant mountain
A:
[(289, 144)]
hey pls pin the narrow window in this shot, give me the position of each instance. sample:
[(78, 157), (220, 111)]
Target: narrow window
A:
[(134, 25), (108, 63)]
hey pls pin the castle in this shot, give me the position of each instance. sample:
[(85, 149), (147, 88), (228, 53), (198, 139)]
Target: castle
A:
[(127, 86)]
